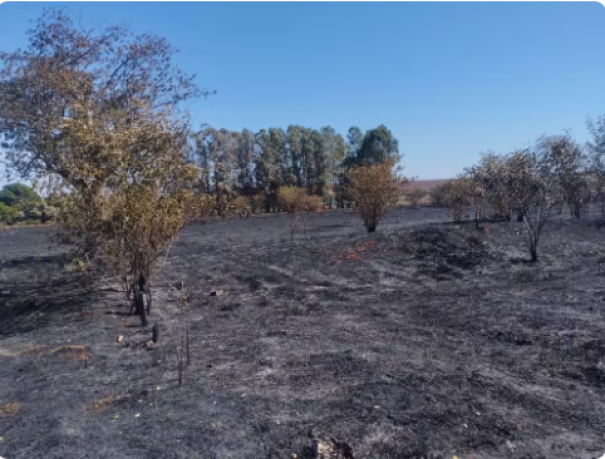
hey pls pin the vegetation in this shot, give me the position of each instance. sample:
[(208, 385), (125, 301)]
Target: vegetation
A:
[(415, 196), (296, 199), (20, 203), (18, 194), (374, 189), (298, 203), (96, 112), (8, 214), (453, 194), (531, 183), (247, 164)]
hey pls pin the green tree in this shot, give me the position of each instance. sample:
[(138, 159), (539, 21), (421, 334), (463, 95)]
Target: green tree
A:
[(8, 214), (17, 193), (354, 141), (293, 134), (378, 146)]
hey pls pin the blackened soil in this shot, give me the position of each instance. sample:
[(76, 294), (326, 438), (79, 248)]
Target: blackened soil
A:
[(426, 339)]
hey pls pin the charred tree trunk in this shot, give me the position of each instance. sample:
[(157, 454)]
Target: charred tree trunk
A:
[(140, 307), (148, 300), (187, 345)]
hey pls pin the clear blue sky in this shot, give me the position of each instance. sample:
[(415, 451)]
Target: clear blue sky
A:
[(449, 79)]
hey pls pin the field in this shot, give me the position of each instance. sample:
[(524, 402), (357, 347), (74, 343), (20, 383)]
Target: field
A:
[(423, 184), (424, 340)]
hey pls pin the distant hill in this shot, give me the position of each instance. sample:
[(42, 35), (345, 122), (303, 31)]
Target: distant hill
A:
[(423, 184)]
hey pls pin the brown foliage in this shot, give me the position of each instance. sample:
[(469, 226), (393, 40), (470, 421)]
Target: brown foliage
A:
[(291, 198), (415, 195), (241, 206), (10, 409), (72, 352), (71, 77), (298, 203), (201, 205), (98, 113), (139, 224), (257, 202), (103, 403), (455, 194), (297, 199), (374, 189)]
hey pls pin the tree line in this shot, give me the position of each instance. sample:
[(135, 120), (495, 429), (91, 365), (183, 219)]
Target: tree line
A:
[(246, 163)]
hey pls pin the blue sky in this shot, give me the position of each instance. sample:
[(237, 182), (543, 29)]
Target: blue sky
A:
[(449, 79)]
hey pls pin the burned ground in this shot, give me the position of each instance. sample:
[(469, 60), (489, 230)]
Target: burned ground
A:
[(426, 339)]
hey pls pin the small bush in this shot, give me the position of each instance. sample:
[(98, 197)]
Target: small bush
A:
[(241, 206), (414, 196), (202, 205), (313, 203), (257, 202), (374, 189), (455, 194), (8, 214), (290, 198), (296, 199)]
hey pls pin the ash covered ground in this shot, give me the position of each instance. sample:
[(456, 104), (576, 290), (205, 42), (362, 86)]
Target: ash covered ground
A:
[(425, 339)]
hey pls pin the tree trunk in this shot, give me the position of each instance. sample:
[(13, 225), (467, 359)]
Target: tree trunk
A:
[(155, 333), (534, 254), (148, 300), (140, 305), (372, 228)]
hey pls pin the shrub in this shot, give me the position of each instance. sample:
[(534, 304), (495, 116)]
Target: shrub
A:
[(201, 205), (140, 223), (8, 214), (257, 202), (296, 199), (291, 198), (241, 206), (374, 189), (438, 195), (426, 200), (414, 196), (454, 194), (313, 203)]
